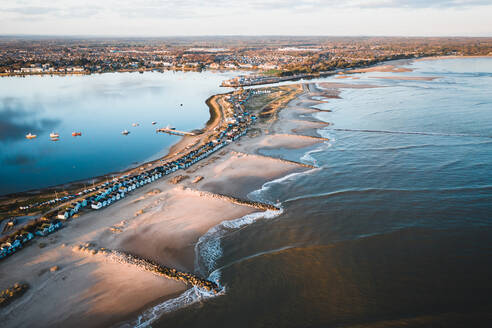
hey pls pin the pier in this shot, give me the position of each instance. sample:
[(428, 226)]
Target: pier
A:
[(175, 132)]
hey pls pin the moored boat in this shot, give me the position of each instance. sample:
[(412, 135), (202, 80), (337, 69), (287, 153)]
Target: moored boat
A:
[(76, 134), (30, 136), (135, 124), (54, 135), (125, 132), (154, 122)]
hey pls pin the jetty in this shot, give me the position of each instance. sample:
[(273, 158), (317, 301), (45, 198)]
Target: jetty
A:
[(175, 132)]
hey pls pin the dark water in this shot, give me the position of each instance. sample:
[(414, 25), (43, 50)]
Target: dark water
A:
[(101, 107), (393, 230)]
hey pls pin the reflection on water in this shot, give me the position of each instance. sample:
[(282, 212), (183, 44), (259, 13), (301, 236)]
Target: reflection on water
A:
[(101, 107)]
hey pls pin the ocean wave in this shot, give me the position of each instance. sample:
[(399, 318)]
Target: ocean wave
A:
[(189, 297), (307, 158), (208, 250), (257, 195)]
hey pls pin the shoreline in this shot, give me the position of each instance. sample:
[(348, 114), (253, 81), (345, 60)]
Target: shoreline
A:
[(164, 222), (161, 222)]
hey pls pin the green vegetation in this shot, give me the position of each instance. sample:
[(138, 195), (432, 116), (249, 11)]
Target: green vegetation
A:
[(273, 72)]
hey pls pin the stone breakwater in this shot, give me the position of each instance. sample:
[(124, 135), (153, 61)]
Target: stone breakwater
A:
[(234, 200), (278, 159), (149, 265)]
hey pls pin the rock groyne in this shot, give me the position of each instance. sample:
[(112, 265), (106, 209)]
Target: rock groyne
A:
[(151, 266)]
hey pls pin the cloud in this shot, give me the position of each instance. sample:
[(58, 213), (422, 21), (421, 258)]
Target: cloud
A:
[(15, 121), (422, 3), (169, 9), (31, 10)]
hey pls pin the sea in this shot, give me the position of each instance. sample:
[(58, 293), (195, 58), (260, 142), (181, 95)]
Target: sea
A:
[(392, 229), (100, 107)]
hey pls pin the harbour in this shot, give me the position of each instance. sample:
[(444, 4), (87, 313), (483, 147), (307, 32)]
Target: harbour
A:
[(99, 107)]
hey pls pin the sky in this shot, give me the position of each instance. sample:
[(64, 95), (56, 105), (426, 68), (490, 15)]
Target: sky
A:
[(247, 17)]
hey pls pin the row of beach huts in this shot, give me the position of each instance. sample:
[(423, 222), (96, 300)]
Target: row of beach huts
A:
[(110, 192), (19, 240)]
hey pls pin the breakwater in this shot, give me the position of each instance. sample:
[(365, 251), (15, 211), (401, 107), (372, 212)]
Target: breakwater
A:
[(151, 266), (238, 201), (276, 159)]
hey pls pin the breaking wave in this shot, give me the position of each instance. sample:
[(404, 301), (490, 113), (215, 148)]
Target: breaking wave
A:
[(208, 250), (189, 297)]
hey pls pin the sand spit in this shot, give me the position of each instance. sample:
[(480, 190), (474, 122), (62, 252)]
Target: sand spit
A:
[(406, 78), (160, 222)]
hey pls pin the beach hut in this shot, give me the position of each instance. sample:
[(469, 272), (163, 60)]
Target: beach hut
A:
[(63, 215), (96, 205)]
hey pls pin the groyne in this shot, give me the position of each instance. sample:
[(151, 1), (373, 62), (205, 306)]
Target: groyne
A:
[(151, 266), (237, 201)]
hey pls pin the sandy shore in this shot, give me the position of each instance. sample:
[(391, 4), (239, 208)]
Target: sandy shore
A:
[(161, 221)]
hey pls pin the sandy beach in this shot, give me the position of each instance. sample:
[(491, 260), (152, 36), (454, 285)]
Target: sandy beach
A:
[(161, 221)]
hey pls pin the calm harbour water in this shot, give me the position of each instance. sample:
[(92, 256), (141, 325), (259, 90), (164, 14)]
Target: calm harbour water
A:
[(393, 230), (101, 107)]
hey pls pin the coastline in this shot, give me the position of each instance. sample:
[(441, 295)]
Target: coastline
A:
[(162, 222)]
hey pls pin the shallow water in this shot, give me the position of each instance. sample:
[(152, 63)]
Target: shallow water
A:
[(392, 230), (101, 107)]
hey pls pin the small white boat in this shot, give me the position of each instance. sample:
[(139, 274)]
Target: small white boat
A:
[(54, 135), (154, 123), (125, 132), (30, 136)]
